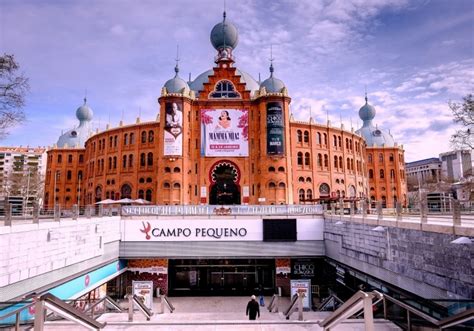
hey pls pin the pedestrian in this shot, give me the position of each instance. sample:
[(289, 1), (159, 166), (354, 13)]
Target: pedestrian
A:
[(260, 295), (253, 310)]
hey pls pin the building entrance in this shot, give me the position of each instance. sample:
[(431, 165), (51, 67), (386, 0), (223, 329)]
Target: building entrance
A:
[(220, 277), (225, 188)]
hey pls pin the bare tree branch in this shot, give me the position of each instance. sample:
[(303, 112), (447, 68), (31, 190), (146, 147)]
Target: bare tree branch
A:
[(13, 88), (463, 114)]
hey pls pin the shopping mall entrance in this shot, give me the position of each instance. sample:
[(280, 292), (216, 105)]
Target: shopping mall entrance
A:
[(220, 276), (225, 188)]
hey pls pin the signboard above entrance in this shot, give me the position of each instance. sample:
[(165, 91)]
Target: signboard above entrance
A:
[(224, 132)]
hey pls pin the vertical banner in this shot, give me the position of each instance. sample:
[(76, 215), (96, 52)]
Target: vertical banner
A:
[(275, 129), (224, 132), (173, 140), (302, 286), (144, 290)]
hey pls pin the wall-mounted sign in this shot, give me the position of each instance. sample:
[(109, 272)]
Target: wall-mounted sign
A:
[(304, 269), (173, 139), (302, 286), (275, 129), (224, 132)]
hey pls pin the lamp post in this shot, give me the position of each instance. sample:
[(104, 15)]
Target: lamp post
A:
[(55, 184), (27, 191)]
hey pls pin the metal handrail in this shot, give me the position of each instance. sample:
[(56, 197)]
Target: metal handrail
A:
[(17, 313), (106, 299), (454, 320)]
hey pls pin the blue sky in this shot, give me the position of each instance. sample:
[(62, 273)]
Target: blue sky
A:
[(413, 56)]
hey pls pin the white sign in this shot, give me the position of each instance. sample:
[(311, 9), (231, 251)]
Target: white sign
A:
[(302, 286), (144, 291), (211, 230), (173, 139), (224, 132), (151, 270)]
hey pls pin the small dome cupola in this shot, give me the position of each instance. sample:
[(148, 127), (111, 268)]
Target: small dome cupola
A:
[(367, 111), (177, 84), (273, 84), (224, 35), (84, 113)]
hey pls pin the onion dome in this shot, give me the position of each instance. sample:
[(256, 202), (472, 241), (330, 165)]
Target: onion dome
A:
[(77, 137), (273, 84), (224, 35), (177, 84), (373, 135)]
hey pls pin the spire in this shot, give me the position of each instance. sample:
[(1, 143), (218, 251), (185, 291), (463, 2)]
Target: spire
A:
[(223, 14), (271, 60), (366, 99), (176, 68), (85, 97)]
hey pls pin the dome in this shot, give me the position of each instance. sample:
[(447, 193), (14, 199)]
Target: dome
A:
[(273, 84), (224, 34), (198, 84), (367, 112), (373, 136), (176, 84), (84, 113)]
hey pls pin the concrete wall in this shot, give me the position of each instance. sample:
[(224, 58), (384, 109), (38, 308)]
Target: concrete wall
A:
[(421, 262), (32, 250)]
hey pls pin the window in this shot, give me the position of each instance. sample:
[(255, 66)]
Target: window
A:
[(301, 194), (371, 173), (166, 185), (306, 137), (126, 191), (324, 189), (142, 160), (79, 175), (69, 158), (141, 194), (299, 136), (130, 160), (224, 89), (141, 180), (335, 162), (111, 141), (281, 169), (115, 162), (149, 179), (309, 194), (392, 174), (271, 185), (143, 140), (334, 140), (340, 163), (326, 160), (176, 169), (115, 141), (281, 185), (307, 159), (319, 138), (60, 158), (150, 159), (380, 158), (347, 143), (300, 158), (369, 158), (177, 185), (69, 175), (339, 139), (167, 169), (81, 158), (325, 138), (391, 157), (151, 136), (271, 169), (308, 180), (320, 160), (124, 163), (149, 195), (382, 174), (132, 138), (125, 139), (301, 179), (109, 163)]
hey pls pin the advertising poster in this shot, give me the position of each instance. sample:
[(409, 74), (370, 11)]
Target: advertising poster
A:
[(144, 290), (275, 129), (302, 286), (173, 140), (224, 132)]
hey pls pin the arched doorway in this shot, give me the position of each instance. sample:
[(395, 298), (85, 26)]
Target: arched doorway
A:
[(225, 188)]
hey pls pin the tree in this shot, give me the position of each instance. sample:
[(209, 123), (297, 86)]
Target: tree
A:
[(464, 115), (13, 88)]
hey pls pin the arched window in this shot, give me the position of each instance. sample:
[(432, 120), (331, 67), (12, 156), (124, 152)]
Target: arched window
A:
[(271, 169), (149, 195), (142, 160), (132, 138), (150, 159), (326, 160), (166, 185), (335, 140), (125, 139), (325, 139), (130, 160), (149, 180), (340, 163), (306, 137), (382, 174), (177, 185), (141, 194), (224, 89), (281, 169), (114, 164), (392, 174), (301, 179), (384, 201), (347, 143), (281, 185), (301, 195), (271, 185), (143, 137), (371, 173), (307, 159), (115, 141), (390, 158), (126, 191), (176, 169), (319, 138), (141, 180), (380, 158), (337, 181), (369, 158), (339, 139), (109, 163), (79, 175), (309, 194), (320, 160), (352, 191), (124, 163), (348, 164), (151, 136), (335, 162), (300, 158), (299, 136), (69, 175), (308, 180), (167, 169)]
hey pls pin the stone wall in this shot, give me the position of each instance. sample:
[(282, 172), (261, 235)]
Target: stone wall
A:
[(30, 250), (422, 262)]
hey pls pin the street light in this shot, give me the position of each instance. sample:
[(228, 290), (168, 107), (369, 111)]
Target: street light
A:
[(56, 174)]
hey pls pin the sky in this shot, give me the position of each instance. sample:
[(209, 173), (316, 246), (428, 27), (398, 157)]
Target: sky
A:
[(412, 57)]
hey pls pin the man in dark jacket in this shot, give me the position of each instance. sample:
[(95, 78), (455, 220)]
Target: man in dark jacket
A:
[(253, 310)]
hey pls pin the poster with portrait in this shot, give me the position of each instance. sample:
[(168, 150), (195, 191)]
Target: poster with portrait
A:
[(275, 129), (173, 140), (224, 132)]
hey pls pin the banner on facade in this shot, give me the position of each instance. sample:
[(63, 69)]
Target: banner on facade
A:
[(275, 129), (224, 132), (173, 139)]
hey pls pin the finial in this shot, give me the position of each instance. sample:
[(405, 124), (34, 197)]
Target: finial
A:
[(366, 99), (176, 68), (271, 60), (85, 97), (224, 14), (189, 77), (259, 79)]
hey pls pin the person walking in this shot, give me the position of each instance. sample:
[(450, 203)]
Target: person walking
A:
[(260, 296), (253, 310)]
